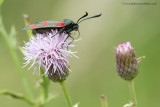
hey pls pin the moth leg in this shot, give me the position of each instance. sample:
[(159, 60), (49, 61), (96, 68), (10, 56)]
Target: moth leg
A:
[(69, 35), (58, 32), (78, 34), (71, 41), (71, 38)]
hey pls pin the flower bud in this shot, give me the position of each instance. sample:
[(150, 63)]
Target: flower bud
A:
[(127, 65), (57, 75)]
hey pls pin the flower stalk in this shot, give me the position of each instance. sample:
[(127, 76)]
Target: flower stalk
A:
[(45, 85), (27, 23), (133, 93), (65, 92), (103, 101), (17, 96)]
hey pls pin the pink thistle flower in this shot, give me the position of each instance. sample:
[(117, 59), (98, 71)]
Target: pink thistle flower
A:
[(49, 51), (127, 64)]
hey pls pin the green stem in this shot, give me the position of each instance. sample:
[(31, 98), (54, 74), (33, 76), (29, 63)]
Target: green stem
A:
[(45, 93), (133, 94), (17, 96), (27, 23), (44, 84), (66, 94), (103, 101), (14, 55)]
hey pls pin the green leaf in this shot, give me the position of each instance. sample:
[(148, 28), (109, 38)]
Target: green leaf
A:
[(76, 105), (50, 98), (129, 105), (22, 50), (12, 36), (16, 96)]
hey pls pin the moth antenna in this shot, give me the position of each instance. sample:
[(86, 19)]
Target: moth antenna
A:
[(90, 18), (82, 17)]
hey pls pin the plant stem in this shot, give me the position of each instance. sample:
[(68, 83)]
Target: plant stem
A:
[(45, 93), (44, 84), (66, 94), (103, 101), (133, 94), (27, 23), (17, 96), (14, 55)]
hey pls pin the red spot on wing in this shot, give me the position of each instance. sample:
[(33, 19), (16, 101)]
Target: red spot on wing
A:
[(60, 24), (33, 25), (45, 23)]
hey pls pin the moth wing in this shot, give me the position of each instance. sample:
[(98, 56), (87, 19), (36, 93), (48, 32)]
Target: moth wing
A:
[(45, 24)]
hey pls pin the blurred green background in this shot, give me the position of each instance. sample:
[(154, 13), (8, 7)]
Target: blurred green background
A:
[(94, 73)]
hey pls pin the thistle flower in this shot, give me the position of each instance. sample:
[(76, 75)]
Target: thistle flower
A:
[(127, 65), (49, 51)]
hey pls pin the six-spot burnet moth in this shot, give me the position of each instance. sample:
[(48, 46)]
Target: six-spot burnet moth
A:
[(66, 25)]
